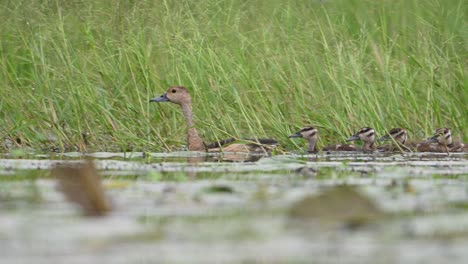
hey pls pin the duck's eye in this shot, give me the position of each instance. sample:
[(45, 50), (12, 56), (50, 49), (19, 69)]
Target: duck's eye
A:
[(174, 90)]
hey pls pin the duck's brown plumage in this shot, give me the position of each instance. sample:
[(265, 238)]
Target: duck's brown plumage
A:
[(340, 147), (248, 141), (431, 147), (181, 96)]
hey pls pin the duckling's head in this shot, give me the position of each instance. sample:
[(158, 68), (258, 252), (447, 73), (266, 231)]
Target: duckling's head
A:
[(398, 134), (441, 136), (309, 133), (365, 134), (175, 94)]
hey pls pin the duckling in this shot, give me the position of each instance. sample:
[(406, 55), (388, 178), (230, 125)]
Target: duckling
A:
[(441, 141), (367, 135), (310, 133), (400, 136), (180, 95)]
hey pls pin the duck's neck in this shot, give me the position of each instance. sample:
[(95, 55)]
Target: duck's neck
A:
[(446, 141), (368, 145), (312, 143), (195, 143), (401, 139)]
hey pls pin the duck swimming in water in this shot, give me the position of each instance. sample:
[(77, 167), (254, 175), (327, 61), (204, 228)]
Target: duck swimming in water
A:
[(310, 134), (441, 141), (399, 136), (366, 135), (180, 95)]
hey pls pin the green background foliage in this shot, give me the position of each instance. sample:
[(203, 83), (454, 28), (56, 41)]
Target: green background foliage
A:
[(255, 68)]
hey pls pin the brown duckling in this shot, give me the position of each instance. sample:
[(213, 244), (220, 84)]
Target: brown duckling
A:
[(181, 96), (310, 133), (399, 136), (441, 141), (367, 135)]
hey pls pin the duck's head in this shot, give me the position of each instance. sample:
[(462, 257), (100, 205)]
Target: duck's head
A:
[(441, 136), (175, 94), (365, 134), (307, 133), (398, 134)]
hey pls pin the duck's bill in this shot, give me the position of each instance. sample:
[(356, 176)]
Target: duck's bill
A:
[(352, 138), (295, 135), (162, 98), (384, 138), (432, 139)]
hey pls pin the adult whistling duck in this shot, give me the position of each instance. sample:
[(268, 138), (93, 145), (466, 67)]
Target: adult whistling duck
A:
[(180, 95)]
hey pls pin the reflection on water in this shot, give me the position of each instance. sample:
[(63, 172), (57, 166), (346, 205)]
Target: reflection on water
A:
[(241, 209)]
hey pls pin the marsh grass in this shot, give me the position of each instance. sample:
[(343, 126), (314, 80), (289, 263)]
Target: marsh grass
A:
[(265, 68)]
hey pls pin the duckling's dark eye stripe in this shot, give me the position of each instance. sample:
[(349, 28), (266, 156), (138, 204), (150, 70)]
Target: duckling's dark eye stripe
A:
[(371, 134), (448, 136), (442, 131), (306, 129), (364, 130), (399, 134), (313, 133)]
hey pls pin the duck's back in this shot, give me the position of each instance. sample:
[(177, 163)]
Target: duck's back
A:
[(394, 148), (340, 147), (457, 147), (260, 145), (431, 147)]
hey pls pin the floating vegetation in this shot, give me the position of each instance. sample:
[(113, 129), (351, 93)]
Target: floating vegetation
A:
[(343, 205), (285, 207)]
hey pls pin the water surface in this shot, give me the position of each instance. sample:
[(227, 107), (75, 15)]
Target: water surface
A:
[(190, 207)]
